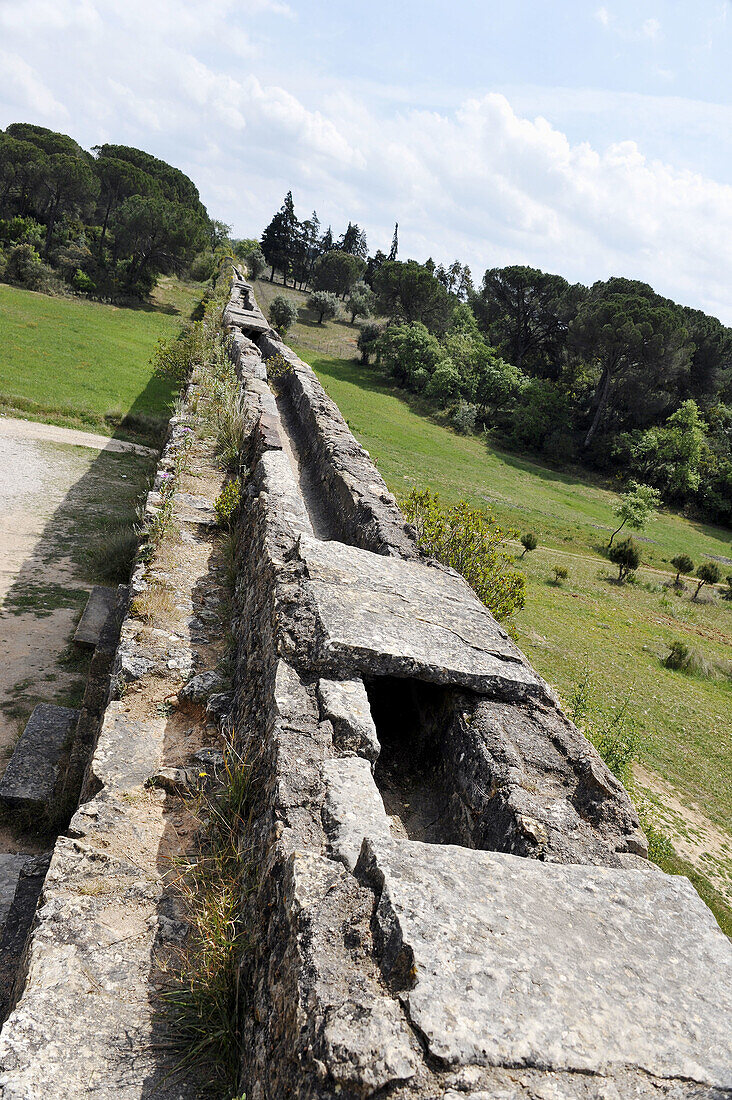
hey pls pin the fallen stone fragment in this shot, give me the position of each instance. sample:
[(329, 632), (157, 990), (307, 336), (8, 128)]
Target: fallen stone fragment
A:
[(100, 605), (178, 780), (200, 687), (353, 807), (31, 779)]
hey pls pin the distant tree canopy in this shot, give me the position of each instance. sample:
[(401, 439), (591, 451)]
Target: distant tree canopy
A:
[(112, 220)]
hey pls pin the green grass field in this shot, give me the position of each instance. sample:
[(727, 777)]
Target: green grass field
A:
[(621, 634), (85, 364)]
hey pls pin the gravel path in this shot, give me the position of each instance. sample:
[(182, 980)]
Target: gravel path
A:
[(51, 433)]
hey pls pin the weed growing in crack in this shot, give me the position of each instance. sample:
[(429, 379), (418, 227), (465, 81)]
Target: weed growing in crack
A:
[(204, 997)]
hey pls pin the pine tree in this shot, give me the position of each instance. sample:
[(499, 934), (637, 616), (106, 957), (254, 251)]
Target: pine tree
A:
[(394, 243), (280, 239)]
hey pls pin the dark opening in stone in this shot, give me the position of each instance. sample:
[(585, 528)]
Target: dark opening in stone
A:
[(410, 717)]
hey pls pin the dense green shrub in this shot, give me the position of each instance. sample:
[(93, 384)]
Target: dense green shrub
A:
[(626, 555), (367, 338), (561, 573), (471, 542), (282, 313)]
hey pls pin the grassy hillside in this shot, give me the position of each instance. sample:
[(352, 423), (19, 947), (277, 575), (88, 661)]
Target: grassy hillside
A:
[(620, 634), (80, 363)]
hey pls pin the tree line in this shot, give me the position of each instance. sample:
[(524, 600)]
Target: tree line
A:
[(106, 222), (613, 376)]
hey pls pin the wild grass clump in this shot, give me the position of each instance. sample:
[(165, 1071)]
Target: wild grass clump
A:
[(110, 556), (155, 603), (471, 542), (204, 997)]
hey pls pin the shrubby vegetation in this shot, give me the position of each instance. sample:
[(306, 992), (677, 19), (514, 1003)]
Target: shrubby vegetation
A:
[(105, 223), (471, 542)]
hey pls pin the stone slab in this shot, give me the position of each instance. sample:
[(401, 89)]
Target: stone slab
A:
[(385, 616), (510, 961), (353, 807), (99, 606), (31, 777), (128, 750), (10, 867)]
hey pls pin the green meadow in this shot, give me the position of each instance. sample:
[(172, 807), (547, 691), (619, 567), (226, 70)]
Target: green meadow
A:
[(85, 364)]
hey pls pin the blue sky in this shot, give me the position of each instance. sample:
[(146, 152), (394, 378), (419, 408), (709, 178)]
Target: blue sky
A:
[(588, 139)]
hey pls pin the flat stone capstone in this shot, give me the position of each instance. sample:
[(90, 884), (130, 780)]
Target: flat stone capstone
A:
[(31, 777), (506, 961)]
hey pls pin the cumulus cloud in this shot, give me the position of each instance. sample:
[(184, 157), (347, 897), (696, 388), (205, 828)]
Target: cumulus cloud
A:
[(484, 181)]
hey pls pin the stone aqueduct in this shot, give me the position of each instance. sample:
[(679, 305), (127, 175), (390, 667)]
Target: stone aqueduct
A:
[(451, 896)]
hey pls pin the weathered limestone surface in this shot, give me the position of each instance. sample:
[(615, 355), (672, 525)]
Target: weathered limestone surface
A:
[(346, 705), (507, 961), (353, 807), (403, 618), (31, 779), (99, 607)]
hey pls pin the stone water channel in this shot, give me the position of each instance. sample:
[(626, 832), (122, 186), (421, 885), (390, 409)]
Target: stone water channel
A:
[(451, 897)]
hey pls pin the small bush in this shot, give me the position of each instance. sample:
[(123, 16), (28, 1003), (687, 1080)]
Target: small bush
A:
[(227, 503), (282, 313), (679, 657), (324, 303), (472, 543), (464, 418), (561, 573), (529, 541), (626, 555), (82, 282), (26, 268), (367, 337)]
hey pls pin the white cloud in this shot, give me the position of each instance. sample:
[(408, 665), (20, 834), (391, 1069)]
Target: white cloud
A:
[(651, 28), (485, 182), (602, 15)]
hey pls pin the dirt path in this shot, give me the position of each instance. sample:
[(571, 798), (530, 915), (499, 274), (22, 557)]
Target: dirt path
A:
[(51, 433), (694, 836)]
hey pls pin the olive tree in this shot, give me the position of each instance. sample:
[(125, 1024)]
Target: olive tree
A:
[(282, 313), (324, 303)]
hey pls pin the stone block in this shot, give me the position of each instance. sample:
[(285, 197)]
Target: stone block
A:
[(353, 807), (31, 779), (383, 616), (504, 961), (11, 864), (99, 607), (346, 705)]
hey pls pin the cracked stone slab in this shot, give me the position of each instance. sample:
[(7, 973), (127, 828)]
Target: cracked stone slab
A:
[(128, 750), (353, 807), (31, 778), (511, 961), (385, 616)]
